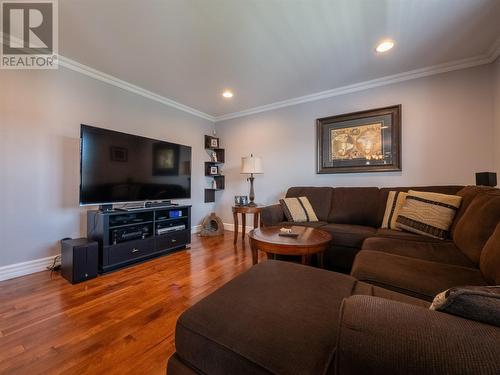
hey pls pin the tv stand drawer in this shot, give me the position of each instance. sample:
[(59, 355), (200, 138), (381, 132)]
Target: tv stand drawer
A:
[(130, 250), (173, 239)]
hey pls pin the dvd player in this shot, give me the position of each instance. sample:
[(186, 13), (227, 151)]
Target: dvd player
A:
[(174, 228)]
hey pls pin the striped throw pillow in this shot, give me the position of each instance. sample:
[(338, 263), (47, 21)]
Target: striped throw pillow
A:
[(298, 210), (428, 214), (395, 201)]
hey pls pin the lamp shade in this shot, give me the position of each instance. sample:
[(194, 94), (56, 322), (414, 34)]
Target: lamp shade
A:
[(251, 164)]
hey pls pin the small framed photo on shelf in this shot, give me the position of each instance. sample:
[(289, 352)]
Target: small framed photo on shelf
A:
[(240, 200), (214, 170), (214, 142)]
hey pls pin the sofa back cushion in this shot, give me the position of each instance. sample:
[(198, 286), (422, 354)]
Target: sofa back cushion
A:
[(490, 258), (477, 224), (468, 193), (355, 205), (319, 197)]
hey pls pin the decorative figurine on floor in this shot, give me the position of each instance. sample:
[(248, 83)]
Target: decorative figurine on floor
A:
[(212, 226)]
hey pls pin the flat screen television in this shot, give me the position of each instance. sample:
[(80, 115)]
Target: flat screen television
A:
[(117, 167)]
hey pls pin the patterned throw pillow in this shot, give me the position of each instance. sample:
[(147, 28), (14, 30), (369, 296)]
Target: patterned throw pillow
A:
[(298, 210), (479, 303), (395, 201), (428, 214)]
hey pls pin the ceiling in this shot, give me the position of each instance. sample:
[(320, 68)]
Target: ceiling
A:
[(266, 51)]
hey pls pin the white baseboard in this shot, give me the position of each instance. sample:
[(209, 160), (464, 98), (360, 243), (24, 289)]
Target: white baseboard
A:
[(25, 268), (230, 227)]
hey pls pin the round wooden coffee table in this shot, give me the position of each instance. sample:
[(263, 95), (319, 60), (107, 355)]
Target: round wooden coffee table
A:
[(308, 242)]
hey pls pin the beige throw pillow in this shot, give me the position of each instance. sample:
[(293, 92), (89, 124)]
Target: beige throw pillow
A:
[(395, 201), (298, 210), (428, 214)]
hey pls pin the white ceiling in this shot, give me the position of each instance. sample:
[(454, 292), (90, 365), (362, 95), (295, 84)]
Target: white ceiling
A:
[(267, 50)]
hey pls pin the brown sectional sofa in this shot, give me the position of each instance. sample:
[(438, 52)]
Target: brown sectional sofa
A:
[(285, 318), (401, 261)]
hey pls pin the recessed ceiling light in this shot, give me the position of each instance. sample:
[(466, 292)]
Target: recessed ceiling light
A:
[(227, 94), (385, 46)]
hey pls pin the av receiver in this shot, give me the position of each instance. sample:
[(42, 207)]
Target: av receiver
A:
[(134, 232)]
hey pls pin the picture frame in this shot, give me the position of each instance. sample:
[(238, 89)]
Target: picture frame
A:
[(240, 200), (360, 142), (214, 170), (214, 142)]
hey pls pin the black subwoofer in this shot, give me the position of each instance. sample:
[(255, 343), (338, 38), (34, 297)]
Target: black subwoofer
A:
[(79, 259)]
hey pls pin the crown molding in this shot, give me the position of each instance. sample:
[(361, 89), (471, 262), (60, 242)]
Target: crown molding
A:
[(484, 59), (111, 80)]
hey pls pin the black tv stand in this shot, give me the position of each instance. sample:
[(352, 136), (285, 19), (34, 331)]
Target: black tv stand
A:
[(128, 237)]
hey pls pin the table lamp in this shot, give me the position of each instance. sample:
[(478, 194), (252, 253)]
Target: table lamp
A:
[(251, 165)]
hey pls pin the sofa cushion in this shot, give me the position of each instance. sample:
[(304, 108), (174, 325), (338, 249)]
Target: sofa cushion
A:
[(349, 235), (395, 200), (320, 198), (281, 318), (441, 252), (477, 224), (407, 236), (355, 205), (362, 288), (490, 258), (298, 210), (468, 193), (428, 214), (415, 277), (384, 192)]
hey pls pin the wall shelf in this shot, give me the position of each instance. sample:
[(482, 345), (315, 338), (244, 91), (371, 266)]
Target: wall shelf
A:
[(213, 167)]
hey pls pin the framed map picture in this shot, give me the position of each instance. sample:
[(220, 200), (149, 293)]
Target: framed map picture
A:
[(366, 141)]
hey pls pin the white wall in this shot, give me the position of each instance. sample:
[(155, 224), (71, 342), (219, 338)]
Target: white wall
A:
[(447, 136), (496, 109), (40, 116)]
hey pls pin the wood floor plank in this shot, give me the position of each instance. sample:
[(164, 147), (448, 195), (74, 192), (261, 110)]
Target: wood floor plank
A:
[(119, 323)]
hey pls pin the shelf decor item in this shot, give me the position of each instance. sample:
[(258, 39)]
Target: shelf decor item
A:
[(251, 165), (366, 141)]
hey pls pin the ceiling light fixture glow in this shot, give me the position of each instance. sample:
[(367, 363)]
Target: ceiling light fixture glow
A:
[(385, 46), (227, 94)]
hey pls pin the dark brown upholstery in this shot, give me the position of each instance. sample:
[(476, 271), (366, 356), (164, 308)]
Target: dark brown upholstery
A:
[(468, 193), (272, 215), (355, 205), (365, 289), (415, 277), (490, 258), (436, 251), (348, 235), (278, 317), (311, 224), (378, 336), (477, 224), (177, 366), (319, 197), (401, 235)]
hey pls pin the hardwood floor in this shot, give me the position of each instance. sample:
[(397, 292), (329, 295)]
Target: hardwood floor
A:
[(120, 323)]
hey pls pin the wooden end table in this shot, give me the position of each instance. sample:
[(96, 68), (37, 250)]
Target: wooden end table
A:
[(308, 242), (244, 210)]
